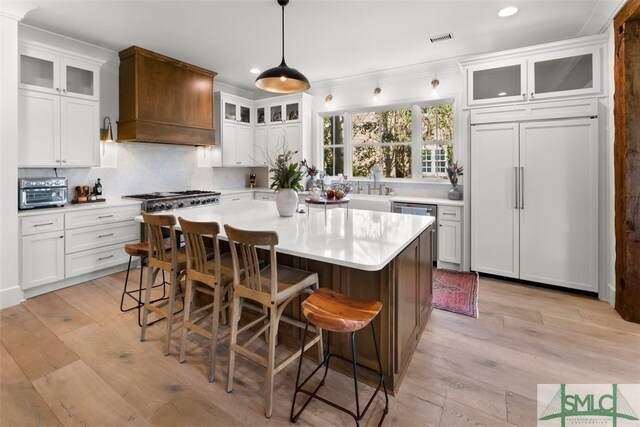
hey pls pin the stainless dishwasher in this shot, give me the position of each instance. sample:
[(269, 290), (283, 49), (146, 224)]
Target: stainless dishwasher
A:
[(420, 209)]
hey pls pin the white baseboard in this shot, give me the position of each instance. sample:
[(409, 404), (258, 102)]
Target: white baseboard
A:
[(11, 296), (611, 294)]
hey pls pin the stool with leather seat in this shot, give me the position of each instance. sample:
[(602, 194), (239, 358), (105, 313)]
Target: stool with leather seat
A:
[(334, 312)]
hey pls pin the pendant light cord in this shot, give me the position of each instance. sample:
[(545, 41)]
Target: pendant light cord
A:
[(283, 33)]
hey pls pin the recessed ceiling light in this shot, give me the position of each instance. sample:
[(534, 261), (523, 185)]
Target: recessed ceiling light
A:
[(507, 11), (502, 93), (255, 71)]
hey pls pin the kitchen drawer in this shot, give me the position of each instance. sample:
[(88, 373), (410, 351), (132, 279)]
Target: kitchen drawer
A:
[(81, 239), (90, 217), (96, 259), (449, 213), (41, 223), (235, 197), (265, 195)]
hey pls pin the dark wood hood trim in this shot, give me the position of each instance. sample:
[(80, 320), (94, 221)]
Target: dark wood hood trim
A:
[(164, 100)]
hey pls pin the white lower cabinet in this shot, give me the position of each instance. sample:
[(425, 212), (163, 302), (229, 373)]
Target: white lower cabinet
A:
[(59, 248), (264, 195), (449, 239), (236, 197), (42, 259)]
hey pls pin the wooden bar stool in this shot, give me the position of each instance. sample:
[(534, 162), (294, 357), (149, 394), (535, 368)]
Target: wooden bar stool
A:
[(273, 287), (173, 262), (141, 250), (213, 277), (334, 312)]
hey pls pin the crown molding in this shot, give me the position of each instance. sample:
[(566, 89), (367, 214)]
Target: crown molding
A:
[(16, 9)]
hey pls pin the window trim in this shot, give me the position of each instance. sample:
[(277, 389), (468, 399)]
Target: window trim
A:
[(416, 142)]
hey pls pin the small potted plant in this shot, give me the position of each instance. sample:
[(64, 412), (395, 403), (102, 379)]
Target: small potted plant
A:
[(453, 171), (286, 180), (312, 171)]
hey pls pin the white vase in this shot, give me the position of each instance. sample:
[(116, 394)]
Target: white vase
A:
[(286, 201)]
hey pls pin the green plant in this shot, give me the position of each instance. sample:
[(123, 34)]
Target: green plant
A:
[(285, 173)]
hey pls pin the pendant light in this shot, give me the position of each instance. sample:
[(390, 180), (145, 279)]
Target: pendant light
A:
[(282, 79)]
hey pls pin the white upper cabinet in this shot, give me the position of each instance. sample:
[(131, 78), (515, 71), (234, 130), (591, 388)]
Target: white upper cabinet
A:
[(237, 111), (58, 109), (557, 70), (52, 72), (502, 81)]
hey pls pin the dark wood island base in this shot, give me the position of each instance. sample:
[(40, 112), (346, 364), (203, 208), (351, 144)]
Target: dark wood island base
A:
[(404, 286)]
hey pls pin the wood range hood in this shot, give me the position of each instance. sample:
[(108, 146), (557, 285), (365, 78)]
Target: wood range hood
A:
[(163, 100)]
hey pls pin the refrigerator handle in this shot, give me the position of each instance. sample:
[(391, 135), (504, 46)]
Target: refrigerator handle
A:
[(517, 186), (522, 187)]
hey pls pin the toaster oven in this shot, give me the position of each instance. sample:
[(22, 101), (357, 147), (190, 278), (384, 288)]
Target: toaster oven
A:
[(42, 192)]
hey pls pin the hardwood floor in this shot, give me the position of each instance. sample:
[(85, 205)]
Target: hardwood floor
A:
[(71, 357)]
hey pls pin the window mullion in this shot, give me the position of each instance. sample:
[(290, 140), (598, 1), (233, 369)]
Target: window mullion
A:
[(348, 145), (416, 142)]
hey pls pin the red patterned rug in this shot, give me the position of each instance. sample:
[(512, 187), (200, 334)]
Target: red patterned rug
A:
[(455, 292)]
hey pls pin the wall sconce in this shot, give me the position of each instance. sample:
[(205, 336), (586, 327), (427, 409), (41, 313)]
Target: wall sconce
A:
[(327, 100), (434, 84), (106, 133), (377, 91)]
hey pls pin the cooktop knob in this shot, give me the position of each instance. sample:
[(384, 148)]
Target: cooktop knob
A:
[(162, 206), (193, 202), (180, 204), (197, 201), (169, 205), (155, 207)]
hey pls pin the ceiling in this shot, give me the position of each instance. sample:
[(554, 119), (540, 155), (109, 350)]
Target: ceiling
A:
[(325, 39)]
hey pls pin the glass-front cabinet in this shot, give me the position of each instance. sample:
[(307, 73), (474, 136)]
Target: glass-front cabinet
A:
[(553, 75), (286, 112), (235, 111), (49, 72), (503, 81), (546, 74)]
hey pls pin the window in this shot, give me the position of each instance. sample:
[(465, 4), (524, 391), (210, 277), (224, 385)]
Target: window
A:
[(382, 138), (333, 143), (437, 139), (356, 141)]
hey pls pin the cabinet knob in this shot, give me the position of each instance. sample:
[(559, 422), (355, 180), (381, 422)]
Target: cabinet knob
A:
[(63, 161), (524, 96), (58, 89), (532, 94), (64, 91), (62, 237)]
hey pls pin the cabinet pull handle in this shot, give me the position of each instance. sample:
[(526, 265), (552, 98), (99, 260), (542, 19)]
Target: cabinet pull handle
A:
[(105, 216), (64, 161), (62, 237), (448, 213), (106, 235), (105, 257), (43, 224), (517, 187), (522, 187), (236, 199)]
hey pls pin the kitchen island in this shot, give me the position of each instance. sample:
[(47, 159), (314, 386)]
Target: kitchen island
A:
[(370, 255)]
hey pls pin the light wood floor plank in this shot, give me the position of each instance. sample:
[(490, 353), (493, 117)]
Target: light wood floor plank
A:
[(79, 397), (455, 414), (35, 349), (20, 403), (59, 316), (521, 411)]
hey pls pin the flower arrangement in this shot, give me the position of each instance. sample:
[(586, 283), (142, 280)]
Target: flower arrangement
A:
[(453, 171), (312, 171), (285, 172)]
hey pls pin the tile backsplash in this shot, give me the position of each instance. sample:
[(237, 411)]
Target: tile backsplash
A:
[(143, 168)]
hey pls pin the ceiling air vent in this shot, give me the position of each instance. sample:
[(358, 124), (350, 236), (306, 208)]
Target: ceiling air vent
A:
[(441, 37)]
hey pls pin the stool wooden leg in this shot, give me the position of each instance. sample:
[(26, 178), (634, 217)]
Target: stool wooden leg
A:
[(173, 286), (271, 359), (186, 318), (217, 302), (235, 316), (151, 275)]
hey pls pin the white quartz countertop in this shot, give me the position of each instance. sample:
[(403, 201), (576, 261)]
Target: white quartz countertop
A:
[(71, 207), (364, 240)]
